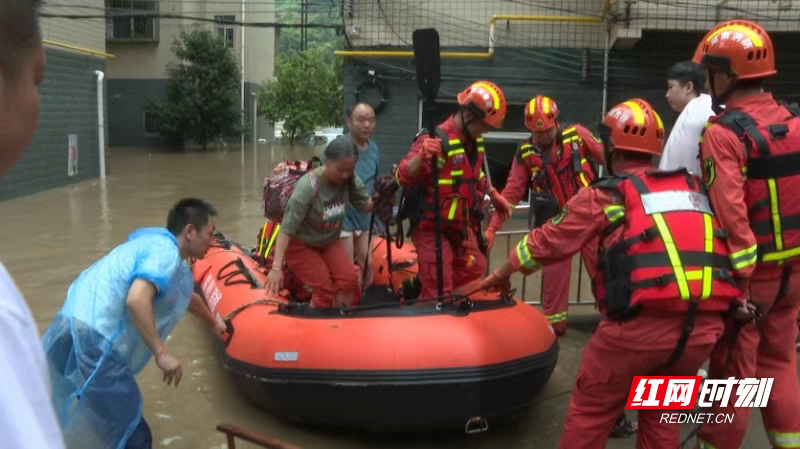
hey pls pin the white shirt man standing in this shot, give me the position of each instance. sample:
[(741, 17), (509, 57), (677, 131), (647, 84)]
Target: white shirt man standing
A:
[(686, 81)]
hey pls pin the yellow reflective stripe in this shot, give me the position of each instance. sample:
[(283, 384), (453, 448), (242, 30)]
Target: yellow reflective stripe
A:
[(571, 139), (524, 254), (482, 175), (557, 318), (457, 172), (584, 180), (525, 145), (568, 130), (784, 439), (526, 154), (704, 445), (453, 207), (614, 212), (781, 255), (492, 93), (479, 140), (674, 256), (446, 181), (546, 104), (709, 249), (776, 214), (744, 258), (261, 243), (638, 113), (454, 152), (454, 142), (480, 149), (754, 37), (272, 239)]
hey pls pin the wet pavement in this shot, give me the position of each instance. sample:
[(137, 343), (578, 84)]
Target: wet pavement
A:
[(50, 237)]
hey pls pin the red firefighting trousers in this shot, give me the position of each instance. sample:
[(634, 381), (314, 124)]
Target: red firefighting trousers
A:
[(326, 270), (616, 353), (456, 267), (555, 286), (774, 357)]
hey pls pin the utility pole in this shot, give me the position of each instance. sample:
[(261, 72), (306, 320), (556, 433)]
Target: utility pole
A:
[(304, 25)]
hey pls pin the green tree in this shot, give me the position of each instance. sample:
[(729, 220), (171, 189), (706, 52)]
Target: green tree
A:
[(308, 92), (203, 91), (319, 13)]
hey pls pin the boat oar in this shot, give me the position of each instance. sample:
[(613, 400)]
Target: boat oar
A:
[(426, 58)]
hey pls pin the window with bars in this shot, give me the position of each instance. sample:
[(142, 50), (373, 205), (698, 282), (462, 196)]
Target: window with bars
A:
[(132, 20), (224, 29)]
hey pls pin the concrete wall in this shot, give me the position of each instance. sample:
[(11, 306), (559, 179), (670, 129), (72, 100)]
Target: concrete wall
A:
[(84, 33), (68, 106)]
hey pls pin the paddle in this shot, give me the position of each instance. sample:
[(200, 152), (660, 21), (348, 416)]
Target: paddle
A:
[(426, 58)]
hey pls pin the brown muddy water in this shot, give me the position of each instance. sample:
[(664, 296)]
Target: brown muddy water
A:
[(50, 237)]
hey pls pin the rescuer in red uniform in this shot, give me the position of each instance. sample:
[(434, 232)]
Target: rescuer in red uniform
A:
[(462, 185), (663, 267), (751, 165), (555, 162)]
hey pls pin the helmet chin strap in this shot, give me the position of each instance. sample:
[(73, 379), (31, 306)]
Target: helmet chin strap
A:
[(465, 124), (718, 100), (608, 146)]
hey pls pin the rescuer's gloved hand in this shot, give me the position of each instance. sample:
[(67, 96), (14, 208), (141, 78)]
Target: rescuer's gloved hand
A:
[(431, 147), (501, 205), (490, 235)]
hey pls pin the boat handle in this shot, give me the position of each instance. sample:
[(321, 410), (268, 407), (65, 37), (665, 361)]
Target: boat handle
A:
[(476, 425)]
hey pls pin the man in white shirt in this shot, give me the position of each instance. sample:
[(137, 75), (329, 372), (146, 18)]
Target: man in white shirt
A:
[(27, 417), (686, 81)]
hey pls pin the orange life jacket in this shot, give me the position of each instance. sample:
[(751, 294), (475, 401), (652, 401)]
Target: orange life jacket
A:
[(772, 183), (672, 251), (459, 174), (575, 169)]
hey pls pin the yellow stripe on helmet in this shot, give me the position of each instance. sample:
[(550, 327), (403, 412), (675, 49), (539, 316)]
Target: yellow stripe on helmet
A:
[(638, 113), (492, 92), (658, 120), (546, 104), (739, 29)]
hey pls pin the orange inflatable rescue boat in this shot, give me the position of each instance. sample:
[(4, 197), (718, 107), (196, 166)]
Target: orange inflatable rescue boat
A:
[(388, 364)]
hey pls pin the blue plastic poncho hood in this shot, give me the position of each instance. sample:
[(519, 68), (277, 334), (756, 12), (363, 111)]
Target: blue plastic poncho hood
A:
[(93, 348)]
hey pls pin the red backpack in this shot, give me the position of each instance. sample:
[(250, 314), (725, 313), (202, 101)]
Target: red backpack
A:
[(279, 187)]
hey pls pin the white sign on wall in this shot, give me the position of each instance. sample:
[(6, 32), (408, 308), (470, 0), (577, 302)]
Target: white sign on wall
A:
[(72, 155)]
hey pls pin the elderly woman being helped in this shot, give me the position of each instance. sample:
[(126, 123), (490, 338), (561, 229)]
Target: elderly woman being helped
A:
[(309, 237)]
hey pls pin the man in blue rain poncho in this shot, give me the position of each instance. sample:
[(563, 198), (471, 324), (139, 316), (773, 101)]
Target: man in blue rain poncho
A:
[(117, 314)]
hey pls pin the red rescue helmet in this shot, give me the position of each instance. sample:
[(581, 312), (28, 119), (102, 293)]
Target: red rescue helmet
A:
[(739, 47), (541, 113), (486, 100), (634, 126)]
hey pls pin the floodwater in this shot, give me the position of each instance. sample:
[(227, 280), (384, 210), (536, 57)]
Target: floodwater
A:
[(50, 237)]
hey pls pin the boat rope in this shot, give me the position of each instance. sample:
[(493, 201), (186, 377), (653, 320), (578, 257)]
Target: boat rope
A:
[(461, 299), (258, 302)]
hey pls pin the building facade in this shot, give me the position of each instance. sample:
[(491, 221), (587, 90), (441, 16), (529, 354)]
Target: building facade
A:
[(66, 146), (585, 54), (142, 47)]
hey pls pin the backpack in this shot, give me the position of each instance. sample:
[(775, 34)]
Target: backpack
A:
[(279, 187)]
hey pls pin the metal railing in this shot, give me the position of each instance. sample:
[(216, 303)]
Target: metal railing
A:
[(580, 290), (232, 432)]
